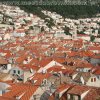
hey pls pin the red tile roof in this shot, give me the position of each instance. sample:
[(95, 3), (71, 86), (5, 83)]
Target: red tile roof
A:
[(3, 61), (55, 69), (78, 90), (63, 87), (94, 48), (27, 89), (97, 71)]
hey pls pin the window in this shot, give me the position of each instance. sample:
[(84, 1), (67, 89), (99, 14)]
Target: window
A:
[(14, 71), (94, 79), (91, 79), (18, 72), (98, 77)]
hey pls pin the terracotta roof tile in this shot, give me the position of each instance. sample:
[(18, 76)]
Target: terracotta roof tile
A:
[(3, 61), (97, 71), (78, 90), (63, 87)]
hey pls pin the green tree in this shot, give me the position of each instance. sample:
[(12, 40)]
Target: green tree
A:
[(31, 27), (26, 33), (66, 30), (42, 29), (92, 38)]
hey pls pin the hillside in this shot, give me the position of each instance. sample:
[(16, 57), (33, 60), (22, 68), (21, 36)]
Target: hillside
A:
[(71, 11)]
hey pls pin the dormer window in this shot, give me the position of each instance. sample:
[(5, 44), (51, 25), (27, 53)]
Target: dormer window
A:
[(93, 79)]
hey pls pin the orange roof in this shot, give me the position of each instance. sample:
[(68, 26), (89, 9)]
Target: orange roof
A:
[(29, 66), (41, 76), (24, 89), (97, 72), (78, 90), (68, 71), (63, 87), (55, 69), (86, 53), (3, 61), (72, 53), (44, 62), (84, 65), (63, 49), (92, 95), (94, 48), (52, 46)]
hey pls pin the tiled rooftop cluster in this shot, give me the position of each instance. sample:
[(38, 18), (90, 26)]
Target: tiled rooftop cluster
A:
[(47, 65)]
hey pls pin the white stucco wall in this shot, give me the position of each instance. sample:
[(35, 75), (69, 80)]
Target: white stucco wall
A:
[(95, 84)]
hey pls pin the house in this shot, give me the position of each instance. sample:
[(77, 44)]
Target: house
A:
[(17, 25), (7, 36), (36, 30), (30, 90), (49, 65), (44, 83), (61, 34), (74, 92), (77, 92), (5, 76), (60, 92), (93, 81), (83, 36), (82, 93), (27, 60), (97, 39), (1, 18), (96, 71), (84, 67), (4, 65), (19, 33), (22, 73), (0, 38), (95, 49), (86, 78), (95, 60), (16, 71), (3, 88)]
